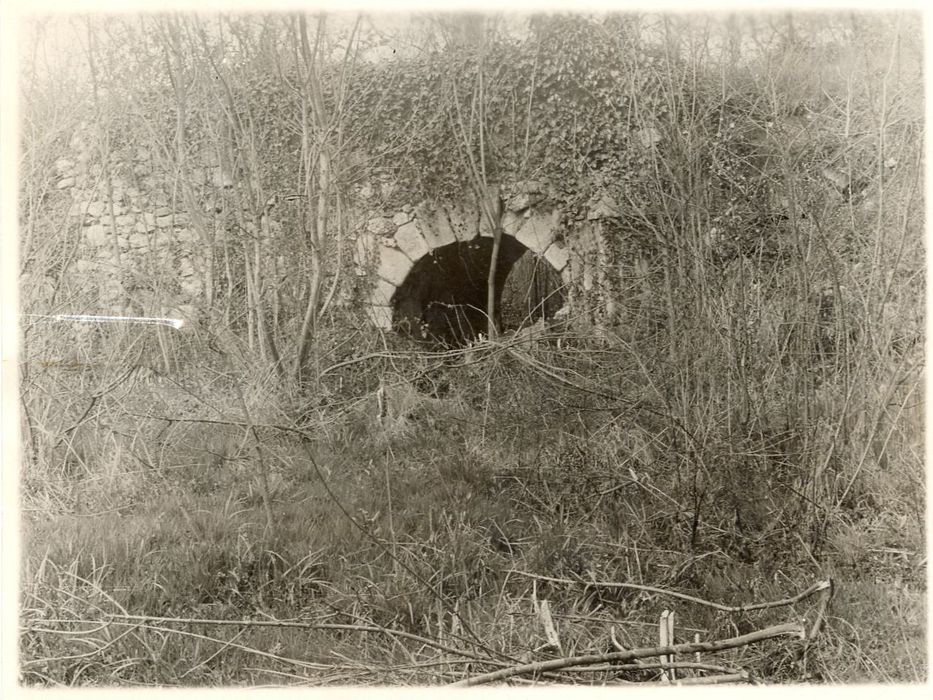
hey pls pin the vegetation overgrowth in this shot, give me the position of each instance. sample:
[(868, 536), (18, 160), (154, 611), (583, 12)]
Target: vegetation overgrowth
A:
[(281, 495)]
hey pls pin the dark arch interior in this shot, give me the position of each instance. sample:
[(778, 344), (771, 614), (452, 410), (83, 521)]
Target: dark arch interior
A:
[(533, 290), (443, 299)]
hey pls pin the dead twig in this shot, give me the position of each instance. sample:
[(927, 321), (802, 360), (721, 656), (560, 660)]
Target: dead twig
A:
[(654, 666), (828, 592), (740, 677), (795, 629), (816, 626), (816, 587), (543, 609), (214, 655), (113, 617), (665, 639), (227, 644), (72, 657)]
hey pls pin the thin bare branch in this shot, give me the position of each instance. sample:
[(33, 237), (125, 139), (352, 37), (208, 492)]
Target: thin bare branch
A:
[(790, 629), (816, 587)]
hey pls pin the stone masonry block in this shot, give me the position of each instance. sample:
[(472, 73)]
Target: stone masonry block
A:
[(436, 229), (464, 225), (96, 235), (381, 316), (575, 266), (523, 201), (557, 255), (411, 241), (512, 222), (394, 265), (383, 293), (485, 230), (538, 231), (605, 208), (139, 240)]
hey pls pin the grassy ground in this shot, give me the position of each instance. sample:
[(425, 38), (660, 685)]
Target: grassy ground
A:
[(496, 479)]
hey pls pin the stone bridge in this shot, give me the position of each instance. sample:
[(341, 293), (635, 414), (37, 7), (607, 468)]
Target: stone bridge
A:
[(431, 263), (423, 269)]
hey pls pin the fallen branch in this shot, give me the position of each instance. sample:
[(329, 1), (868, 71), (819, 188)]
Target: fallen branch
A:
[(817, 625), (816, 587), (543, 609), (223, 642), (821, 612), (653, 666), (112, 618), (740, 677), (794, 629), (665, 639)]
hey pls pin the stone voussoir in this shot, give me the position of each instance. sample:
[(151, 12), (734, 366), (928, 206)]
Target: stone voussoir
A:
[(557, 255), (411, 242), (512, 222), (524, 200), (394, 265), (465, 228), (383, 293), (381, 316), (435, 228), (538, 231), (485, 230)]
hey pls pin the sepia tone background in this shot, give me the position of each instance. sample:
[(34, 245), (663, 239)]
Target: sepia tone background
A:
[(713, 400)]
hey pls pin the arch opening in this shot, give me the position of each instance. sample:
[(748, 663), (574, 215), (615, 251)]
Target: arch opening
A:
[(533, 291), (443, 297)]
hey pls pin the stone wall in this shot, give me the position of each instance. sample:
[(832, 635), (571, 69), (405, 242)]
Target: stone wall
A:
[(144, 253), (395, 246), (137, 244)]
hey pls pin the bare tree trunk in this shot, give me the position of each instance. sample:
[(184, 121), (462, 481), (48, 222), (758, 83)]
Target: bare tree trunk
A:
[(309, 323), (339, 255), (243, 139), (267, 340), (313, 107), (487, 198)]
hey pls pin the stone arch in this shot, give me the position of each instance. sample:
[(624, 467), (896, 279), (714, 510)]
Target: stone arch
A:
[(437, 258)]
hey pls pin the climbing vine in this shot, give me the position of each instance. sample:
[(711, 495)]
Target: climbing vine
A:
[(558, 106), (586, 107)]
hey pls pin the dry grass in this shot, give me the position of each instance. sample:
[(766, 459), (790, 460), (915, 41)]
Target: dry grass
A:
[(418, 524)]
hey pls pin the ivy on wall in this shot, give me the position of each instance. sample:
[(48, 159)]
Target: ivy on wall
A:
[(585, 106), (687, 148), (558, 109)]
